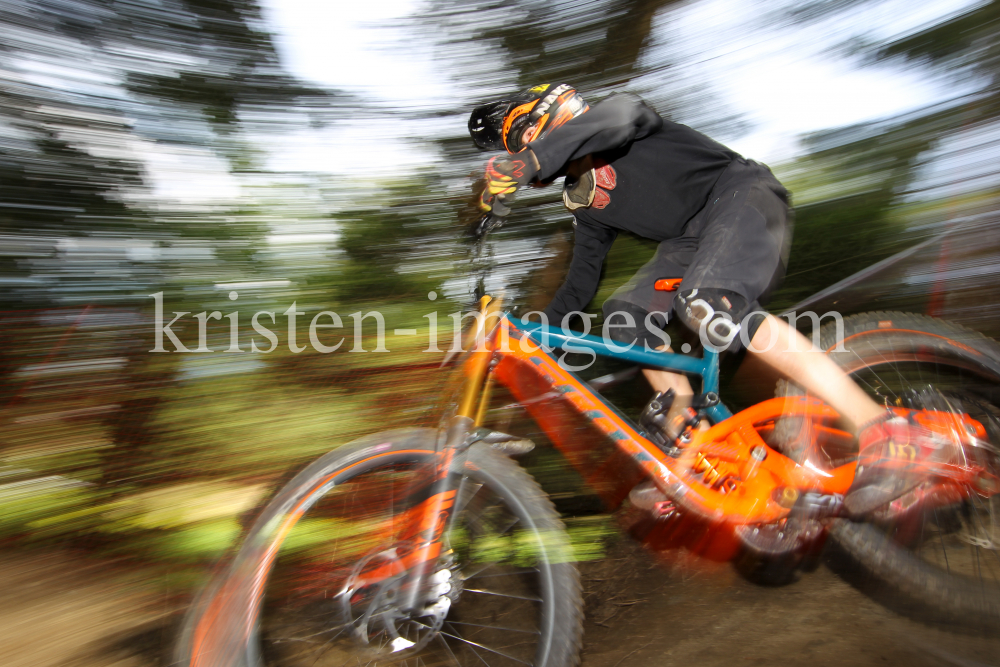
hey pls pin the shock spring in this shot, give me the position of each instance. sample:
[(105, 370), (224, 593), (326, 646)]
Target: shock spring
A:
[(711, 474)]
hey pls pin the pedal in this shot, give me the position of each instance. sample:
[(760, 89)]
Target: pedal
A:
[(681, 426), (647, 497), (653, 419), (667, 432), (665, 510)]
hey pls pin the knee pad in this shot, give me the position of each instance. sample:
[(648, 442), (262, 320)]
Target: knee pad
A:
[(717, 316), (626, 323)]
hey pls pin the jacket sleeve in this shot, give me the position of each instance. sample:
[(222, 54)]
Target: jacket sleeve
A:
[(615, 122), (589, 250)]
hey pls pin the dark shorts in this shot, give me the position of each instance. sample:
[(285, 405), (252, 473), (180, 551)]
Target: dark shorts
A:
[(737, 243)]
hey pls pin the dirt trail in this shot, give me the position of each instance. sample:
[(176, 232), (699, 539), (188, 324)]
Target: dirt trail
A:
[(647, 613), (58, 610), (62, 611)]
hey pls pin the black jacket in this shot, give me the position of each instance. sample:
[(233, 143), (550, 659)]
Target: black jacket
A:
[(655, 174)]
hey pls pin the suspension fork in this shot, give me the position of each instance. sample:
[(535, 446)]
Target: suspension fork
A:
[(435, 515)]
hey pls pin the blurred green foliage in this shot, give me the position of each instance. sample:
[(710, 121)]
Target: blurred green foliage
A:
[(398, 244), (846, 192)]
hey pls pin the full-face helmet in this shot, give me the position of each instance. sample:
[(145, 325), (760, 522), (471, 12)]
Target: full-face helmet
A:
[(510, 124)]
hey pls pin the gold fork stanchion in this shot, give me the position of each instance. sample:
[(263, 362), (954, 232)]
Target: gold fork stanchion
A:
[(484, 399), (490, 309)]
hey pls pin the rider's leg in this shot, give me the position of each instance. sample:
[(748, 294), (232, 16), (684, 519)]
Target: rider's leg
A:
[(720, 317), (891, 449), (665, 380), (733, 255), (725, 320), (643, 328), (790, 353)]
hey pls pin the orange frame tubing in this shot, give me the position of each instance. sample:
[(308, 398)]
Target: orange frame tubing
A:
[(725, 474)]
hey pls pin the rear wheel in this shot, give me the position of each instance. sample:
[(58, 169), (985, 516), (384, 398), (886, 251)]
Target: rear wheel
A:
[(318, 581), (944, 557)]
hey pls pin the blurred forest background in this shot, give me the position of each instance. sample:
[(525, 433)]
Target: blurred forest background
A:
[(109, 448)]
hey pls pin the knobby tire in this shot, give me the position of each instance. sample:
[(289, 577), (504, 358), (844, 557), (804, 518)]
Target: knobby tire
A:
[(269, 607), (931, 574)]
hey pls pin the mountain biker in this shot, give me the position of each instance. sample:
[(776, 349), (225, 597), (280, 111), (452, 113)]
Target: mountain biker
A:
[(722, 223)]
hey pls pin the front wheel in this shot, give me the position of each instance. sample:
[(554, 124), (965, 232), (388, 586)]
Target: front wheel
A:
[(301, 590), (941, 558)]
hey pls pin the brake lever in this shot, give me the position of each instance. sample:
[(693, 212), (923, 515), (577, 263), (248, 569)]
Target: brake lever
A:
[(488, 222)]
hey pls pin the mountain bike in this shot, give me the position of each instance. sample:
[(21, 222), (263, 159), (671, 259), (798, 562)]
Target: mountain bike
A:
[(432, 546)]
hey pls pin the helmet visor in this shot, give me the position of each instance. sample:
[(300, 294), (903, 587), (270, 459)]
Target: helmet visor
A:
[(486, 125)]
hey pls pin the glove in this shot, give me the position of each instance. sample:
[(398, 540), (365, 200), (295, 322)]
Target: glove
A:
[(504, 175)]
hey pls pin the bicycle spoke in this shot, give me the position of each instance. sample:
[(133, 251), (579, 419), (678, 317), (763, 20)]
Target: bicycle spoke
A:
[(505, 595), (895, 366), (328, 643), (451, 653), (485, 648), (979, 566), (495, 627), (477, 574), (870, 370), (341, 627), (987, 532), (944, 550), (470, 645), (503, 531), (464, 496)]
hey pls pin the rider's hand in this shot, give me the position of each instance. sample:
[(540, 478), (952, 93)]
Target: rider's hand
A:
[(504, 175)]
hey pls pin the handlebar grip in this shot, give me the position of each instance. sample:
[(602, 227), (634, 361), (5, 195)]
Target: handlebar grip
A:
[(500, 209)]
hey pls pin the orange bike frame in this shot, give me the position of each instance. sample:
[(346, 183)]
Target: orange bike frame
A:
[(727, 473)]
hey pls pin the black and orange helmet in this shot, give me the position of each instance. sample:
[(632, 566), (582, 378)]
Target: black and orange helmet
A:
[(501, 125)]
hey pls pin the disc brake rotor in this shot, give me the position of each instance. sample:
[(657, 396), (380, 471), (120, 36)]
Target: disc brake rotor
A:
[(369, 605)]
